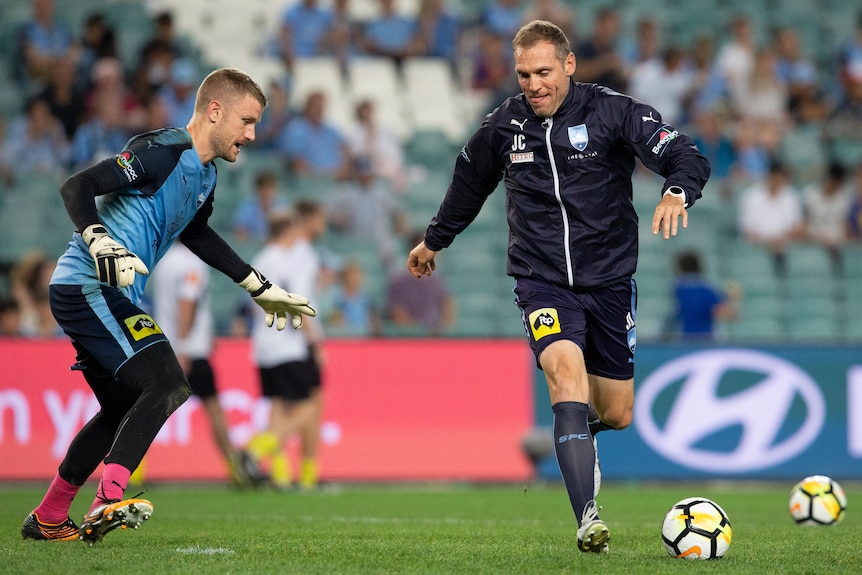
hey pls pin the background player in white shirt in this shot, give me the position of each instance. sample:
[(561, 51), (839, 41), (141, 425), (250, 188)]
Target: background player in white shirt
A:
[(290, 362)]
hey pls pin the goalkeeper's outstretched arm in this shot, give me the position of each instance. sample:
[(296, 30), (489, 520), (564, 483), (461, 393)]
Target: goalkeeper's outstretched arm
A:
[(278, 304)]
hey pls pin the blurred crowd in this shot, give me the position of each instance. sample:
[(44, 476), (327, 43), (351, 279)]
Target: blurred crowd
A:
[(781, 125)]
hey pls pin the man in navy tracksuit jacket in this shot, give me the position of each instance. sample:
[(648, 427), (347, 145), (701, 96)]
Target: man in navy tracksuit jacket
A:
[(566, 152)]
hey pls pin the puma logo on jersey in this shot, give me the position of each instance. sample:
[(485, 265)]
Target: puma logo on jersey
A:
[(648, 118), (520, 125)]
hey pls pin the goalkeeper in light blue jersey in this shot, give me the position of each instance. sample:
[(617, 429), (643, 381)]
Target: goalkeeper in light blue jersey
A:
[(127, 210)]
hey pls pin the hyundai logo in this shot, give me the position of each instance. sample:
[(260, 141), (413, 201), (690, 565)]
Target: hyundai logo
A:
[(763, 416)]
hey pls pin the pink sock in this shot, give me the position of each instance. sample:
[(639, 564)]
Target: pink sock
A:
[(113, 484), (55, 505)]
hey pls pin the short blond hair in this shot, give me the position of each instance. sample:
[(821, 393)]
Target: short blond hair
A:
[(227, 83)]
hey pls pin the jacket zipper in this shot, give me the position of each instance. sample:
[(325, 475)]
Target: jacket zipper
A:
[(548, 124)]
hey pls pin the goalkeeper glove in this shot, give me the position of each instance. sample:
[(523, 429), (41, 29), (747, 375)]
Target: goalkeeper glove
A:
[(115, 265), (276, 302)]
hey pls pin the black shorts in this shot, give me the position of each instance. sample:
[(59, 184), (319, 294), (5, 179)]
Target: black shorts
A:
[(294, 380), (600, 321), (201, 378)]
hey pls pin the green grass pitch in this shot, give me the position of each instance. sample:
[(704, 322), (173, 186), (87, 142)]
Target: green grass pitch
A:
[(429, 529)]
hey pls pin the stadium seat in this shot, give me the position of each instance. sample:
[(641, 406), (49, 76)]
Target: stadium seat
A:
[(475, 255), (376, 79), (32, 217), (654, 307), (321, 74), (364, 253), (807, 260), (802, 151), (846, 151), (760, 317), (851, 261), (476, 314), (227, 299), (810, 304), (756, 330), (852, 332), (651, 327), (851, 320), (814, 330), (13, 13), (512, 327), (432, 149), (431, 97), (749, 263), (264, 69), (799, 289)]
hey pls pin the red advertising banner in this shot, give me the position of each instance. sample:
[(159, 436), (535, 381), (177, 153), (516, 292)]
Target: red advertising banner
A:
[(393, 410)]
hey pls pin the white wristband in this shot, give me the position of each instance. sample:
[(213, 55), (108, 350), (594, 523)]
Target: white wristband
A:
[(676, 192)]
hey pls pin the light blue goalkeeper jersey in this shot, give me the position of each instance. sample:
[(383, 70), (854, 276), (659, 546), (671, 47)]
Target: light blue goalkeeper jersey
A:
[(160, 186)]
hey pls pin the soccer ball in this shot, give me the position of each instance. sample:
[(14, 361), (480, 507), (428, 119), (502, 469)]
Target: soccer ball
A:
[(817, 500), (696, 528)]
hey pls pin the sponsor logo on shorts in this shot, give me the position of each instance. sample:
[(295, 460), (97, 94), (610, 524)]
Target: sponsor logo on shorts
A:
[(544, 321), (141, 326)]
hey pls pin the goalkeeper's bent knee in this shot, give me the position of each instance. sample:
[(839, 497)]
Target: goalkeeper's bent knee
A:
[(156, 371)]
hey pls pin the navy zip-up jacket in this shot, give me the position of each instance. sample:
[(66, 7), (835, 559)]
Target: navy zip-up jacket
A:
[(568, 183)]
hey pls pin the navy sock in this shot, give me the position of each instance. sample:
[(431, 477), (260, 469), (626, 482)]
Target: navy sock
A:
[(576, 455)]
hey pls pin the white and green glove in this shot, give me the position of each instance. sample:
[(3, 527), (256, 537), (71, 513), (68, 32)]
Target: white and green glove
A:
[(276, 302), (115, 265)]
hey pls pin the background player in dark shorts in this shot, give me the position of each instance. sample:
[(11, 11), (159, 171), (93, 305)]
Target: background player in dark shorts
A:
[(290, 362), (294, 381)]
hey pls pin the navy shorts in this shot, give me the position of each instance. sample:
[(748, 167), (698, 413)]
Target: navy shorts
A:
[(201, 378), (600, 321), (105, 326), (293, 380)]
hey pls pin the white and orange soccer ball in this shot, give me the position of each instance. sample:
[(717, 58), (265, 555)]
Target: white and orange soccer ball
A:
[(817, 500), (696, 528)]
